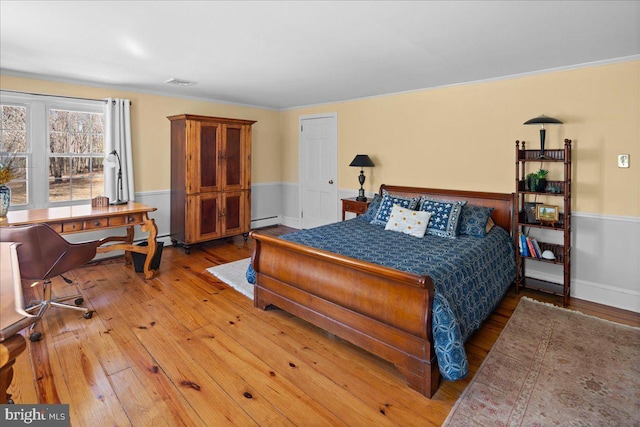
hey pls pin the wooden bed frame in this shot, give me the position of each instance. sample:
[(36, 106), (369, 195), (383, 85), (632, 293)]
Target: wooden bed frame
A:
[(384, 311)]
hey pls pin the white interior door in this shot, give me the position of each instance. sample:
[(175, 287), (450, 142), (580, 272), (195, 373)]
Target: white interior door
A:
[(318, 170)]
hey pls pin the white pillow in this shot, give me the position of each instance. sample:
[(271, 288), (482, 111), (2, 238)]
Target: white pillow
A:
[(408, 221)]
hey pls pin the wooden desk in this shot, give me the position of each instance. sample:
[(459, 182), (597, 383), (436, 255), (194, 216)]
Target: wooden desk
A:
[(83, 218)]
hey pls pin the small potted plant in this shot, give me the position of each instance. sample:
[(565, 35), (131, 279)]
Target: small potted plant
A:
[(537, 181)]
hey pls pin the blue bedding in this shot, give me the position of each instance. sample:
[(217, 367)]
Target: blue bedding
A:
[(470, 275)]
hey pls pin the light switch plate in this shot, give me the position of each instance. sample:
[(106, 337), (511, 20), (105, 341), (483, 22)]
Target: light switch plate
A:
[(623, 160)]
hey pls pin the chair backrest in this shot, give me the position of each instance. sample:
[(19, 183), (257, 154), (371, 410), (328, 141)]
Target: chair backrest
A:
[(42, 251), (13, 316), (35, 259)]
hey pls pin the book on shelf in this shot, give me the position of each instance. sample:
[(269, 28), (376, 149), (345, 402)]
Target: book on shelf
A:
[(529, 247), (537, 248), (532, 250), (524, 249)]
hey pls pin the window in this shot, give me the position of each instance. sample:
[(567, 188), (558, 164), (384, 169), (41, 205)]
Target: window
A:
[(13, 142), (76, 151), (59, 148)]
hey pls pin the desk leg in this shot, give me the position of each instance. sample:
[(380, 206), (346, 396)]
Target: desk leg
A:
[(9, 350), (150, 227), (128, 260)]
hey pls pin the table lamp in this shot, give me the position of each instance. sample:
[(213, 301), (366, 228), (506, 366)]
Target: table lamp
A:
[(542, 120), (110, 161), (361, 161)]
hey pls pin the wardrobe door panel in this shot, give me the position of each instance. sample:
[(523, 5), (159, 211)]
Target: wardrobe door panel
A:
[(233, 155), (233, 212), (208, 156)]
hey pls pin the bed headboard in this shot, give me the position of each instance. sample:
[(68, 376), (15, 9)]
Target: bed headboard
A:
[(503, 204)]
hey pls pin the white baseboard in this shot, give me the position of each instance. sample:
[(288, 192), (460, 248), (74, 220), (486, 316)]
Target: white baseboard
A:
[(610, 295), (613, 296), (266, 222), (291, 222)]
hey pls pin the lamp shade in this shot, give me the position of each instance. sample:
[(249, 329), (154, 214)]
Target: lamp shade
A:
[(111, 160), (542, 120), (362, 161)]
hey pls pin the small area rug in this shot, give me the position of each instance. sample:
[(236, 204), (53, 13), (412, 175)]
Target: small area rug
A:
[(233, 274), (552, 366)]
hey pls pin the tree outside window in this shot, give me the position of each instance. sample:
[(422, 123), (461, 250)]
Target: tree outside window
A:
[(13, 140), (76, 146)]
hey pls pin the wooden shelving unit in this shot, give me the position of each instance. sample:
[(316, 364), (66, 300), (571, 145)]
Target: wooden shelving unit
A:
[(526, 162)]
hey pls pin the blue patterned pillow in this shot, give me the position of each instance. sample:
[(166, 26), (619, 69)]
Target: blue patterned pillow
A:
[(445, 216), (474, 219), (372, 210), (386, 205)]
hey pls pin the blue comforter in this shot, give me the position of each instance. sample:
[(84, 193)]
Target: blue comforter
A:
[(470, 275)]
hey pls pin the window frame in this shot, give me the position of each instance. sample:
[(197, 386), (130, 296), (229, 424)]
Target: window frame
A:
[(37, 134)]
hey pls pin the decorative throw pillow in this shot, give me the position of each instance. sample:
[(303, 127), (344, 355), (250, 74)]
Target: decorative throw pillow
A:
[(372, 210), (474, 219), (490, 225), (445, 216), (407, 221), (386, 205)]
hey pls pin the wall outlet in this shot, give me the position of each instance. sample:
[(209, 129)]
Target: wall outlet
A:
[(623, 160)]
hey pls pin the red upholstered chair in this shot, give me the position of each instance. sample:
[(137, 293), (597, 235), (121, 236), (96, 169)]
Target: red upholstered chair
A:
[(44, 254)]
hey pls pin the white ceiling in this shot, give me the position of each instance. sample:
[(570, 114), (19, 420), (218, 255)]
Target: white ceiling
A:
[(293, 53)]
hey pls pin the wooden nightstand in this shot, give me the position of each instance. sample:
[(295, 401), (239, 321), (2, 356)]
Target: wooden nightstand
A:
[(353, 205)]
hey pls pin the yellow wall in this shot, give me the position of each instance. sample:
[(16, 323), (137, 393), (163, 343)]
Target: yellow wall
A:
[(459, 137), (463, 137), (151, 129)]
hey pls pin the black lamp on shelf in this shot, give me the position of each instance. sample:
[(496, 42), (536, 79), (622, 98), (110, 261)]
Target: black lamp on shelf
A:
[(542, 120), (361, 161), (110, 161)]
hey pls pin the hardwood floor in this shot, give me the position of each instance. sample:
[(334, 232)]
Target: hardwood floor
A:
[(185, 349)]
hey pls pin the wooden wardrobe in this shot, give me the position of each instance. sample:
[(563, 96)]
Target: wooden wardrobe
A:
[(210, 178)]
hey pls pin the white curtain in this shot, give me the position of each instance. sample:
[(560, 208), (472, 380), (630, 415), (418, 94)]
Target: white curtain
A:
[(117, 136)]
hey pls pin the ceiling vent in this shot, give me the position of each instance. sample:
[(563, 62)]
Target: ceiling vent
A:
[(179, 82)]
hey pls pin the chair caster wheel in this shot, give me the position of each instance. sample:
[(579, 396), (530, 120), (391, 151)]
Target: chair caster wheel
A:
[(35, 337), (88, 315), (79, 301)]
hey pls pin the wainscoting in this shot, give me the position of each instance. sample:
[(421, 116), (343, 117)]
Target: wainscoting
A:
[(606, 248), (605, 253)]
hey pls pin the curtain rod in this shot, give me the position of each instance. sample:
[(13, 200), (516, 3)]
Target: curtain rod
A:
[(58, 96)]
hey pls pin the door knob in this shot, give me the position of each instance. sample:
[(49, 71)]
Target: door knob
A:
[(330, 181)]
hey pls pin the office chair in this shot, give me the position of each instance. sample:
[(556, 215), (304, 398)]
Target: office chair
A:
[(44, 254)]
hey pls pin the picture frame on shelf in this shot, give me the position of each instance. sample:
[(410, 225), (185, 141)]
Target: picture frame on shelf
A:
[(531, 212), (547, 213)]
